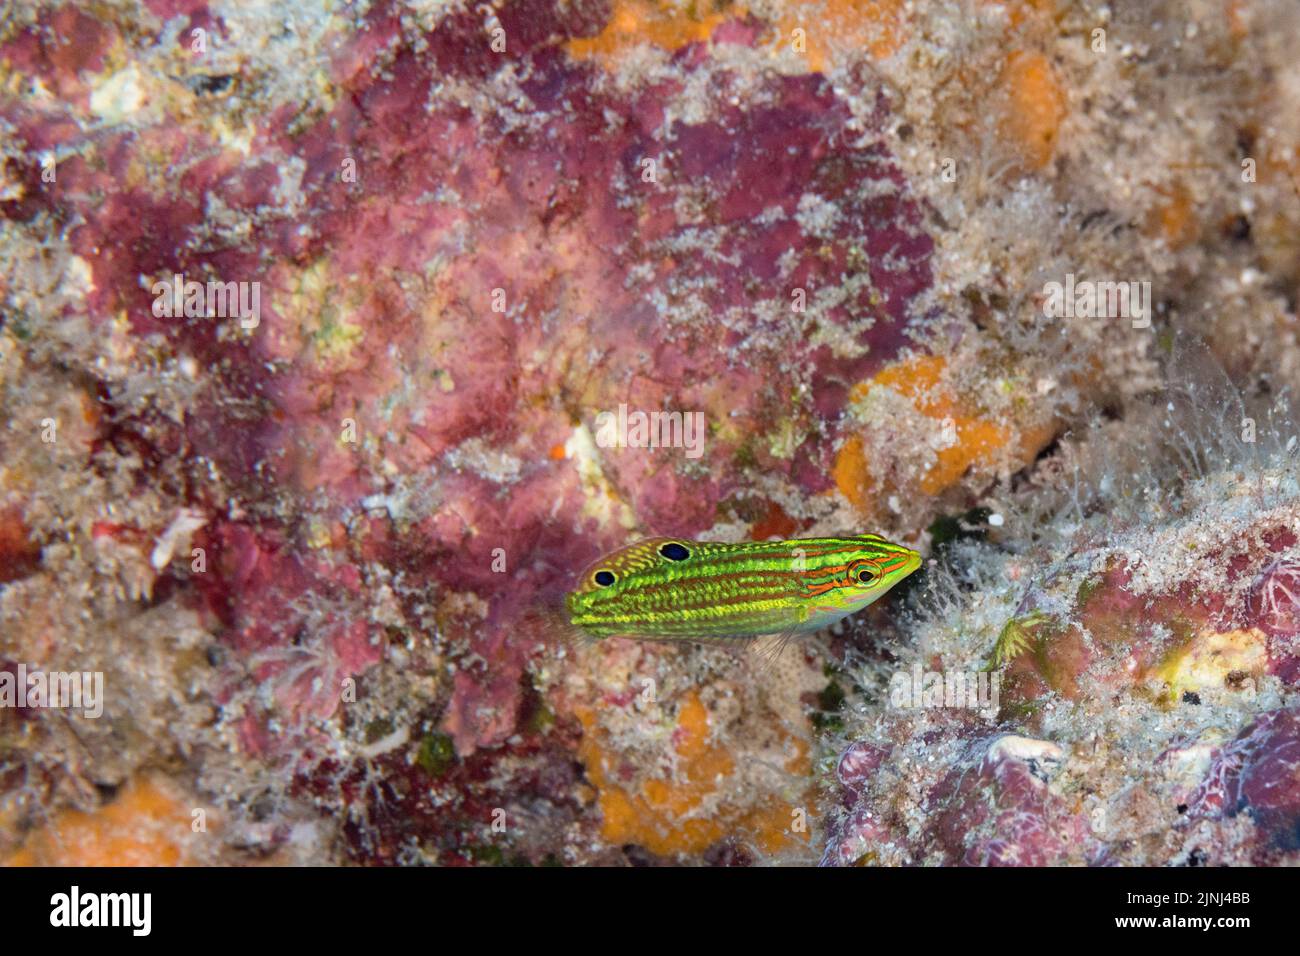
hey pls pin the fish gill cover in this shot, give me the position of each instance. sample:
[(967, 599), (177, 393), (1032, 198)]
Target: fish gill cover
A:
[(337, 339)]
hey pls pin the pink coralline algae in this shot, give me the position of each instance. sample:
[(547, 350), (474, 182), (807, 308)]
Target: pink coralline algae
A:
[(858, 763), (1275, 598), (310, 314), (1256, 775), (399, 217), (999, 812), (992, 808), (1118, 638), (1143, 713), (1273, 605), (299, 624), (448, 287)]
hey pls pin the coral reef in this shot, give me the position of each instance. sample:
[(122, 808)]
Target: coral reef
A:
[(1142, 660), (308, 313)]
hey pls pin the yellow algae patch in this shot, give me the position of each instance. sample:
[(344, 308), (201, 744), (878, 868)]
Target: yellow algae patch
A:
[(144, 826), (974, 439), (694, 808), (667, 25), (1034, 107), (1207, 660), (1174, 218), (318, 316), (1238, 27), (813, 30), (851, 474)]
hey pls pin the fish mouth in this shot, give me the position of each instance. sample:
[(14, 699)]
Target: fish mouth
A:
[(913, 562)]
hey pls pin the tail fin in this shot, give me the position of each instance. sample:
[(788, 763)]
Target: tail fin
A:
[(547, 621)]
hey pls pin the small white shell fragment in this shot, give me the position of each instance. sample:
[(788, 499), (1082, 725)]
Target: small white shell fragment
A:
[(186, 522)]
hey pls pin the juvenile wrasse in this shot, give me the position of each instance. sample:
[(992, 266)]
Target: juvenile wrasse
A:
[(671, 588)]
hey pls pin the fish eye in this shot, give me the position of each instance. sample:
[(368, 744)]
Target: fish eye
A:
[(867, 575), (674, 551), (604, 578)]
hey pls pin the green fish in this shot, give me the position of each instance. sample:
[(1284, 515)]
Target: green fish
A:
[(705, 591)]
